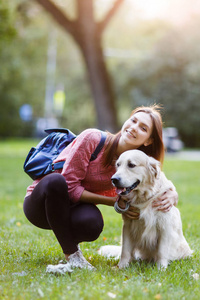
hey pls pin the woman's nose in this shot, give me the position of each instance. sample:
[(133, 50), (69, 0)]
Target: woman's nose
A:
[(134, 127)]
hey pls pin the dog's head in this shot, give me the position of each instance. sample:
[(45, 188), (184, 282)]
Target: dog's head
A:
[(134, 171)]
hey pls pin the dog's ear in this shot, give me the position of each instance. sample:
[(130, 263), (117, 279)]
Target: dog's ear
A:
[(154, 168)]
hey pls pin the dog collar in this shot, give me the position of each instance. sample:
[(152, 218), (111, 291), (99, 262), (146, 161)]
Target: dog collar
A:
[(120, 210)]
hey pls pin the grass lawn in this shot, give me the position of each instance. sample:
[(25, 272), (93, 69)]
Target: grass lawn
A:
[(26, 250)]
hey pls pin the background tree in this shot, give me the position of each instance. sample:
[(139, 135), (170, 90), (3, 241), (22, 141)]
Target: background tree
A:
[(152, 61), (87, 33)]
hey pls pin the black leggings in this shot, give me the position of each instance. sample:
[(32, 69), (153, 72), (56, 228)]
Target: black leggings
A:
[(49, 207)]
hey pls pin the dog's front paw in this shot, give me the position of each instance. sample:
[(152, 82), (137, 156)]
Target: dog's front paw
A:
[(123, 264), (162, 264)]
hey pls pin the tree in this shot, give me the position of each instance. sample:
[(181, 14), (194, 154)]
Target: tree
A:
[(87, 33)]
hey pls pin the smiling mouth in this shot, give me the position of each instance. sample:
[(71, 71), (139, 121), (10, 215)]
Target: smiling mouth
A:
[(130, 133), (125, 191)]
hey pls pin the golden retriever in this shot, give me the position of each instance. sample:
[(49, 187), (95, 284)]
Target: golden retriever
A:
[(157, 236)]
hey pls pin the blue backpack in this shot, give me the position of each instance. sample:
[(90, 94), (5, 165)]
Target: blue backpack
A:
[(39, 161)]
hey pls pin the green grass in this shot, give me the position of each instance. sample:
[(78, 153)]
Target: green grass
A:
[(27, 250)]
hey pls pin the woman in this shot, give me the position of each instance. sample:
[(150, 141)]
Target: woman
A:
[(66, 200)]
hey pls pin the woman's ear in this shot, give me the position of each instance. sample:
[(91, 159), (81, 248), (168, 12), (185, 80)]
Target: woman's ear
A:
[(148, 142)]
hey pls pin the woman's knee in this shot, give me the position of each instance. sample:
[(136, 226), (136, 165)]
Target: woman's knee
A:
[(55, 183), (35, 213)]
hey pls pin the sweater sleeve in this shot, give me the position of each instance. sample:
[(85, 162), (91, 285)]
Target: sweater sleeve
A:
[(77, 158)]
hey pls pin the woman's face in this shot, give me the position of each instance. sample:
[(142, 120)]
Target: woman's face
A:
[(137, 131)]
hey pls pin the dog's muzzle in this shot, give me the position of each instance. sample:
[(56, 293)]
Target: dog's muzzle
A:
[(123, 190)]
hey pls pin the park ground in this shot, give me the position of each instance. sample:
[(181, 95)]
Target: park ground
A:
[(26, 251)]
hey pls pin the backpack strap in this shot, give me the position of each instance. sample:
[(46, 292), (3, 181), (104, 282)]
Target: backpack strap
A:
[(99, 147), (59, 165)]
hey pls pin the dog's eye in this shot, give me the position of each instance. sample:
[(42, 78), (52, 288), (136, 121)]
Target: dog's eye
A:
[(131, 165)]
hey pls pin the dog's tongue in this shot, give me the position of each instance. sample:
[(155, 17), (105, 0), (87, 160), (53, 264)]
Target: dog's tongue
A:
[(120, 190)]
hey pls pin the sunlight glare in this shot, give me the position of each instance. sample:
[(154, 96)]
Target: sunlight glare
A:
[(176, 11), (151, 8)]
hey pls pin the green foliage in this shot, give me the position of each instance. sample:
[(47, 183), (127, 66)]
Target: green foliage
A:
[(7, 31), (18, 85), (152, 62), (169, 75), (8, 34), (23, 59), (26, 250)]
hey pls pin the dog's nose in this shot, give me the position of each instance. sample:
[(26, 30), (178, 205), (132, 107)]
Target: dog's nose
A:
[(115, 180)]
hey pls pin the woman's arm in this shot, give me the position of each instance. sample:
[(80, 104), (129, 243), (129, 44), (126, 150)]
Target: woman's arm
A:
[(77, 159), (90, 197)]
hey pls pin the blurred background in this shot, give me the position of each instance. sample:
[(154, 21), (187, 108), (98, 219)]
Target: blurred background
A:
[(88, 63)]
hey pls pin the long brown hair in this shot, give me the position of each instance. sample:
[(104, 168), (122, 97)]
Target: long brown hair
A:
[(156, 149)]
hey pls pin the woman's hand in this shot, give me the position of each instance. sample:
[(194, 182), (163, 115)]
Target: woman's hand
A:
[(132, 213), (166, 201)]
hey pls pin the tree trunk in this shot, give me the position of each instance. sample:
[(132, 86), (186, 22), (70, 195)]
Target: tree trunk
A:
[(87, 34), (89, 39), (100, 86)]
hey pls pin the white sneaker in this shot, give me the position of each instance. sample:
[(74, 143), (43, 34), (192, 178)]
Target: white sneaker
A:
[(77, 260), (59, 269)]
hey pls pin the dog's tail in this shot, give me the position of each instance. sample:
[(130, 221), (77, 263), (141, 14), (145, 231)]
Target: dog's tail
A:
[(110, 251)]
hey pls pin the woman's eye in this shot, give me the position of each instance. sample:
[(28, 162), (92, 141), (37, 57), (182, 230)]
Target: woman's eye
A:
[(131, 165), (144, 129)]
